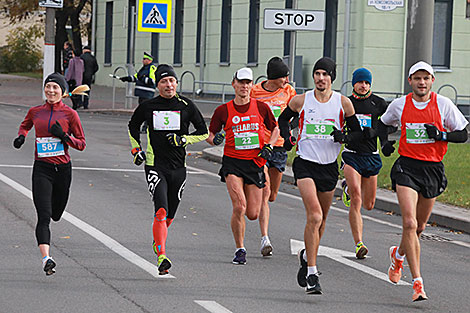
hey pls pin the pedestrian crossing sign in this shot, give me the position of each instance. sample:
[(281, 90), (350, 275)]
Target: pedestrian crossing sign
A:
[(154, 16)]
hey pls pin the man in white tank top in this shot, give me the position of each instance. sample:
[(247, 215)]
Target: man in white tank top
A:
[(322, 116)]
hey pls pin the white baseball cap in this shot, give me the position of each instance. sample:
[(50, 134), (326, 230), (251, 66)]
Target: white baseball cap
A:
[(243, 73), (421, 65)]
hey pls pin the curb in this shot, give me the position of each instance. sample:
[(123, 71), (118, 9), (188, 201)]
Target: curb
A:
[(445, 215)]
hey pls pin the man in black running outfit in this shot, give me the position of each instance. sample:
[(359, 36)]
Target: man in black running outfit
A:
[(168, 117)]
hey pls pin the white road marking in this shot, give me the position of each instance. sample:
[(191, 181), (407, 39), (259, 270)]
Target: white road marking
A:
[(97, 234), (197, 171), (212, 306), (342, 256)]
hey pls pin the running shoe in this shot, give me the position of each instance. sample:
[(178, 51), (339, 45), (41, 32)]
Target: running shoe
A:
[(313, 285), (361, 250), (345, 197), (240, 257), (302, 273), (418, 294), (163, 264), (266, 247), (396, 266), (49, 265)]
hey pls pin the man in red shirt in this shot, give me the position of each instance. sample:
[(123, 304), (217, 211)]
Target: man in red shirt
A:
[(427, 121), (244, 121)]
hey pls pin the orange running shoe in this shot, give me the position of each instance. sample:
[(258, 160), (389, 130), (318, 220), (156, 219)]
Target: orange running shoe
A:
[(419, 293), (396, 266)]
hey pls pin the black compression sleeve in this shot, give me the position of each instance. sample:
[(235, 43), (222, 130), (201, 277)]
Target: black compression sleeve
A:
[(457, 136), (382, 131), (353, 123), (284, 119)]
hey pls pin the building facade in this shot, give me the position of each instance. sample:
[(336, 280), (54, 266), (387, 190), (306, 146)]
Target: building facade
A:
[(234, 37)]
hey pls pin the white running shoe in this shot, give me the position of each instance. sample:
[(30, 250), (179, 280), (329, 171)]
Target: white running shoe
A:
[(266, 247)]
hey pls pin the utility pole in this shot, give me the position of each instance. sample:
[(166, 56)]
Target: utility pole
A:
[(292, 51), (49, 43), (419, 33), (347, 19), (202, 45)]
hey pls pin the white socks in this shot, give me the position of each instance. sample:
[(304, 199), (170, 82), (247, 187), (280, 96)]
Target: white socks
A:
[(399, 257), (311, 270)]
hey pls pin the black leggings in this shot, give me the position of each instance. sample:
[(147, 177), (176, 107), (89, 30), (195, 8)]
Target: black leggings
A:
[(51, 185), (166, 187)]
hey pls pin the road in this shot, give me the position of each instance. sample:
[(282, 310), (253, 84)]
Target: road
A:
[(106, 263)]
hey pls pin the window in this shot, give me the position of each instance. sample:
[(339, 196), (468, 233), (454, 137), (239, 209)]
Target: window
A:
[(225, 31), (467, 11), (287, 34), (198, 31), (329, 37), (154, 45), (253, 33), (178, 47), (442, 33), (108, 33)]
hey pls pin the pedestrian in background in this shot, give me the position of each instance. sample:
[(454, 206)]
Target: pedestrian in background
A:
[(90, 68), (74, 77), (66, 56)]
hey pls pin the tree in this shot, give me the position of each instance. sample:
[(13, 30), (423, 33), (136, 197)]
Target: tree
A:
[(18, 11)]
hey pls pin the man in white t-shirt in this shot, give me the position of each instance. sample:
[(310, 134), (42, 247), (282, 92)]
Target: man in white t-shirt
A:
[(322, 114), (427, 121)]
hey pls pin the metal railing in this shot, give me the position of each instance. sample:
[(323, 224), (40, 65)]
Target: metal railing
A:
[(387, 95), (129, 97)]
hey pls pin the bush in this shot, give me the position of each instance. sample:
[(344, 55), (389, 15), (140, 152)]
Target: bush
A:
[(22, 53)]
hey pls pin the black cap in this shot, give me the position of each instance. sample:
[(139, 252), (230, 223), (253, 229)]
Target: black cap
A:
[(277, 68), (327, 64), (86, 48), (58, 79), (164, 70)]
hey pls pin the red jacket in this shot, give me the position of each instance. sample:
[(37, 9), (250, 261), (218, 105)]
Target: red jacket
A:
[(42, 117)]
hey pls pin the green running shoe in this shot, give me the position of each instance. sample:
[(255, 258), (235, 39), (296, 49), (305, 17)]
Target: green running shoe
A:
[(361, 250), (164, 264), (345, 197)]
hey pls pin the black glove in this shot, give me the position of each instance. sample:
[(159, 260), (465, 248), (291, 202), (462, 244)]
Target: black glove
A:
[(175, 140), (338, 135), (266, 152), (289, 143), (218, 139), (139, 156), (57, 131), (388, 148), (18, 142), (433, 132), (126, 78), (369, 132)]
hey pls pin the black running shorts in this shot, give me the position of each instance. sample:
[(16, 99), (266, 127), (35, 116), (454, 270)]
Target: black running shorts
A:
[(325, 176), (246, 169), (427, 178)]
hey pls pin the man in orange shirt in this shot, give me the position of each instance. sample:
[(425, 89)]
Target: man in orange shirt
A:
[(428, 121), (275, 92)]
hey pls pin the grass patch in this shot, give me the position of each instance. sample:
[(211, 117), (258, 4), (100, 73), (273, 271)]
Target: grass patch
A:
[(28, 74), (457, 170)]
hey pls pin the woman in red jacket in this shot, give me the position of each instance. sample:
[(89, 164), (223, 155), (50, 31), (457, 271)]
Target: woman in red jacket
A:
[(57, 128)]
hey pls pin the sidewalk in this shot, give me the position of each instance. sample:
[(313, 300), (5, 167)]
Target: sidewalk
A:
[(452, 217), (27, 92)]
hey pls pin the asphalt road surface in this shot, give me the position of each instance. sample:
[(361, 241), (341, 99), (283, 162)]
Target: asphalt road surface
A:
[(103, 245)]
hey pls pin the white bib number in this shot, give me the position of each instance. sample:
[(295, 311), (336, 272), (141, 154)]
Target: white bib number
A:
[(365, 120), (416, 133), (319, 129), (246, 141), (166, 120), (49, 146)]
